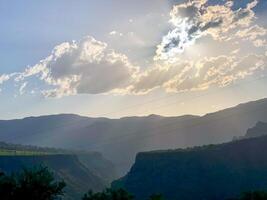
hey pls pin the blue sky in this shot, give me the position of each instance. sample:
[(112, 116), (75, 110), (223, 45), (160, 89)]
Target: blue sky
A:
[(146, 78), (31, 29)]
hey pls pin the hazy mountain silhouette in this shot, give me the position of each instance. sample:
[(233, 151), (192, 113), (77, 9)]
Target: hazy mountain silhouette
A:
[(120, 139), (208, 172), (258, 130)]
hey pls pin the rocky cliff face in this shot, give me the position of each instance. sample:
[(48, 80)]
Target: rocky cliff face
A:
[(208, 172)]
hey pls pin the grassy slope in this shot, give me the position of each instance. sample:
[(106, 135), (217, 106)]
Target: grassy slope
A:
[(6, 152)]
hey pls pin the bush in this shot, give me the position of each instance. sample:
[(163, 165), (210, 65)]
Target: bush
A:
[(254, 195), (156, 197), (108, 194), (31, 184)]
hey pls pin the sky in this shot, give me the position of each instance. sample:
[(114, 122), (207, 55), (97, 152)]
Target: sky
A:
[(115, 58)]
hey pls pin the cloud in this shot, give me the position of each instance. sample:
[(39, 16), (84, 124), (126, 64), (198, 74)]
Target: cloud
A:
[(217, 71), (22, 88), (195, 19), (115, 33), (201, 74), (90, 66), (84, 67), (255, 34), (156, 77), (231, 29), (4, 77)]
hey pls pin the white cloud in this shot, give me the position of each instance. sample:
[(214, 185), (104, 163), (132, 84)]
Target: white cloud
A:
[(256, 34), (87, 66), (222, 25), (90, 66), (22, 88), (115, 33), (201, 74), (4, 77)]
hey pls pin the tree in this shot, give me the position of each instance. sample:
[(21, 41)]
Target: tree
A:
[(7, 187), (254, 195), (156, 197), (31, 184), (108, 194)]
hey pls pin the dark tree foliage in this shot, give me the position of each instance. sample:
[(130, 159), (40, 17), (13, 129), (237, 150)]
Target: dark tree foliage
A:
[(108, 194), (252, 195), (31, 184), (156, 197)]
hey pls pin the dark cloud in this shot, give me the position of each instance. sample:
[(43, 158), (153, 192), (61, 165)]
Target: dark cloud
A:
[(211, 24), (197, 18)]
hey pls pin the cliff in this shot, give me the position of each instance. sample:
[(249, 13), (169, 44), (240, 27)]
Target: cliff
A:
[(207, 172), (78, 178)]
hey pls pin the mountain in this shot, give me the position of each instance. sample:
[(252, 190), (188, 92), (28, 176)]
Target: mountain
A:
[(77, 177), (258, 130), (207, 172), (80, 170), (119, 140)]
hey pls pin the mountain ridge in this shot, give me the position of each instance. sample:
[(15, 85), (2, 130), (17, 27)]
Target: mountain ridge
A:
[(213, 171), (120, 139)]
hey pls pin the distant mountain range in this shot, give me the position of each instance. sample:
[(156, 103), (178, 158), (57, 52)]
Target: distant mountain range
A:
[(80, 170), (208, 172), (260, 129), (119, 140)]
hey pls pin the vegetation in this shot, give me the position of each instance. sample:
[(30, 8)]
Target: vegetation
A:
[(39, 183), (253, 195), (8, 149), (109, 194), (5, 152), (156, 197), (31, 184), (121, 194)]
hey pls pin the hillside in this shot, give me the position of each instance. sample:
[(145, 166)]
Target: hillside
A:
[(120, 139), (94, 161), (78, 178), (207, 172), (81, 170), (258, 130)]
